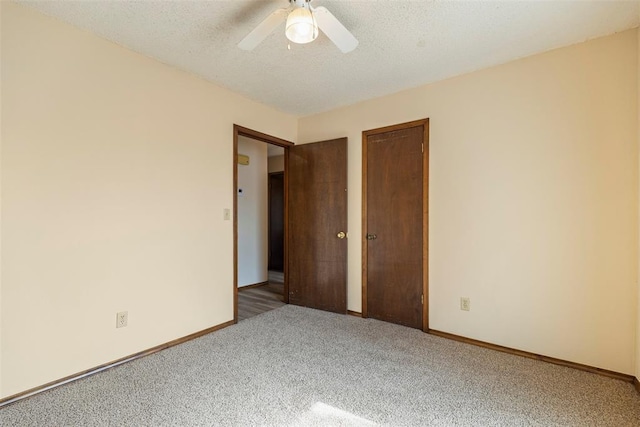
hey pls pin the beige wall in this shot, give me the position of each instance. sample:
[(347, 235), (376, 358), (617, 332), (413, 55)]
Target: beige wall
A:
[(638, 278), (1, 205), (276, 163), (533, 199), (115, 173)]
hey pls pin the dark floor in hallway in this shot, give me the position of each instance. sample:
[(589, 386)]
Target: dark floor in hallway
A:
[(258, 300)]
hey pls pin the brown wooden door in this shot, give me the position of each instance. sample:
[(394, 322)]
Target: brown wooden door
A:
[(317, 257), (394, 242), (276, 221)]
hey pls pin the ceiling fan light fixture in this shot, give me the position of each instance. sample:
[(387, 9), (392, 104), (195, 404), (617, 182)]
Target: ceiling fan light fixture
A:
[(301, 26)]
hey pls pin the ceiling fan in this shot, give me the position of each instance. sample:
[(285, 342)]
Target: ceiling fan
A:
[(303, 22)]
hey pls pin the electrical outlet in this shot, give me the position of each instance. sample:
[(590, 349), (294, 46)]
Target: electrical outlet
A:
[(121, 319), (226, 214), (465, 304)]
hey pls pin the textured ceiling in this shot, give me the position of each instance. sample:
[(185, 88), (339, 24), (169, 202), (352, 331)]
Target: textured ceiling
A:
[(403, 44)]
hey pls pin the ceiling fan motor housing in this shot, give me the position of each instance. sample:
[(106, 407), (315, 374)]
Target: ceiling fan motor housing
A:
[(300, 3), (303, 25)]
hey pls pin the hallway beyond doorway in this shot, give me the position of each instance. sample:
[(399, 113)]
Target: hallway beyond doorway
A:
[(260, 299)]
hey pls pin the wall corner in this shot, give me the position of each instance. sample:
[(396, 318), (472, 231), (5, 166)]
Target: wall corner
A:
[(1, 6), (637, 337)]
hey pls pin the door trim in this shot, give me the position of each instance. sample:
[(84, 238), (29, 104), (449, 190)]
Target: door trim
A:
[(253, 134), (425, 214)]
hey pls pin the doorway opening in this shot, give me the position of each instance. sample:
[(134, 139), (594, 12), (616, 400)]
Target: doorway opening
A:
[(259, 222), (275, 207), (395, 224)]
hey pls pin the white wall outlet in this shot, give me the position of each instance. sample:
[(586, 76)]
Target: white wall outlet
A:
[(121, 319), (465, 304), (226, 214)]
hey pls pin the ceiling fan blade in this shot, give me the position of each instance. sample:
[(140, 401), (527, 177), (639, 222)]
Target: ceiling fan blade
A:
[(333, 29), (255, 37)]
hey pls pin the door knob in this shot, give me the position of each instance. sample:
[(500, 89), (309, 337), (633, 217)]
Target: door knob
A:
[(342, 235), (371, 237)]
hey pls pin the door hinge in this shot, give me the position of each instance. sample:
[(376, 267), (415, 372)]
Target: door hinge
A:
[(421, 299), (422, 147)]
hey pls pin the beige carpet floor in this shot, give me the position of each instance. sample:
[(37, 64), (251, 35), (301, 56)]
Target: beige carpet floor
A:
[(299, 367)]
